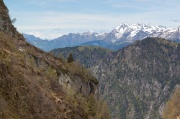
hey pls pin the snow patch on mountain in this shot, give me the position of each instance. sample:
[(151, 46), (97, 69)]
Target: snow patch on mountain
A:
[(132, 32)]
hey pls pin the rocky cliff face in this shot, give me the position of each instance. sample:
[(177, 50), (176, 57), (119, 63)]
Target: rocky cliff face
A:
[(36, 85), (138, 80)]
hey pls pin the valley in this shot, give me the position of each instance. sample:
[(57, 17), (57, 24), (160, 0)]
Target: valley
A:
[(131, 72)]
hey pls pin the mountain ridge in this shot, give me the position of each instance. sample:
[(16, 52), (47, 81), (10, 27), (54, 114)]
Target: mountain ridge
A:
[(85, 55), (139, 79), (145, 74), (72, 39), (129, 32), (118, 38)]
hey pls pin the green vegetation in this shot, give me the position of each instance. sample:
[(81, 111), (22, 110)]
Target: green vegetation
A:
[(136, 78), (92, 106), (70, 58), (87, 56), (77, 69)]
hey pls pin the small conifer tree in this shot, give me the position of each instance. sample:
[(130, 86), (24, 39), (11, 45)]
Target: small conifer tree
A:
[(70, 58)]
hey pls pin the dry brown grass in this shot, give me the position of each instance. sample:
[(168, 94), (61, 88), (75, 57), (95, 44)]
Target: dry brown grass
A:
[(29, 87), (172, 110)]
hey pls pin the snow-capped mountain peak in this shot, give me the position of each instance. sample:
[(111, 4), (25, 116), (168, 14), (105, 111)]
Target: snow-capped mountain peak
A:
[(122, 26), (131, 32)]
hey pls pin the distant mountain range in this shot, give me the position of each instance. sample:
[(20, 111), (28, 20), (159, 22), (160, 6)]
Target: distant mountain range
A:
[(72, 39), (118, 38), (132, 32)]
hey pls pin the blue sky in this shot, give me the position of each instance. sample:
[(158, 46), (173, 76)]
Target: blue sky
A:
[(53, 18)]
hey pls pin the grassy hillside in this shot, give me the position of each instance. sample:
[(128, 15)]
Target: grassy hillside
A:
[(36, 85), (172, 110), (29, 85)]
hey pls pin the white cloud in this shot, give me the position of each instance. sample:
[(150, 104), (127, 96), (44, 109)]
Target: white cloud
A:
[(104, 18)]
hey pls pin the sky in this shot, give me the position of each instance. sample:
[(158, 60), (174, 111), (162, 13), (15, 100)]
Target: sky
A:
[(49, 19)]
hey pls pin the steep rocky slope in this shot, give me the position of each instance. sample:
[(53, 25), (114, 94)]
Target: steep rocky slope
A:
[(5, 22), (138, 80), (36, 85)]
